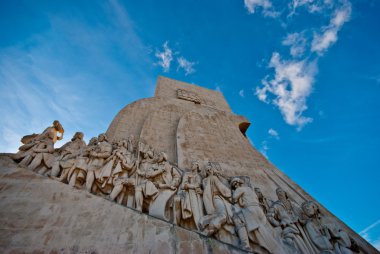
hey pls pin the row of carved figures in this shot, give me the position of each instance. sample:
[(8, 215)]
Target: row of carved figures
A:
[(132, 173)]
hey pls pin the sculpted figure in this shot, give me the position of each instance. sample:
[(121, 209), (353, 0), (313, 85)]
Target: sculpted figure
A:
[(121, 159), (167, 179), (189, 201), (78, 172), (285, 213), (216, 199), (119, 167), (264, 202), (38, 149), (97, 157), (145, 189), (250, 219), (50, 132), (68, 153), (40, 157), (166, 176), (325, 237)]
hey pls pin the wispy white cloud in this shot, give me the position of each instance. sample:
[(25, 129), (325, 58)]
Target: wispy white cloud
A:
[(251, 5), (217, 88), (371, 77), (312, 6), (264, 148), (186, 65), (289, 88), (293, 79), (297, 43), (264, 5), (273, 133), (165, 57), (329, 34), (241, 93)]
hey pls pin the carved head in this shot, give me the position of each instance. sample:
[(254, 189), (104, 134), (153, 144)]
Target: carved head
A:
[(163, 157), (195, 166), (78, 135), (236, 182), (209, 169), (281, 194), (57, 125), (258, 192), (102, 137), (148, 154), (125, 143), (93, 141), (310, 208)]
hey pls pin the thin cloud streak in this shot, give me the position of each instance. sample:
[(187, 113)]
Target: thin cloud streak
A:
[(273, 133), (373, 225), (329, 34), (186, 65), (367, 234)]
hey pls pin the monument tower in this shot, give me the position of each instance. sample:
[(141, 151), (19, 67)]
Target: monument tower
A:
[(182, 157)]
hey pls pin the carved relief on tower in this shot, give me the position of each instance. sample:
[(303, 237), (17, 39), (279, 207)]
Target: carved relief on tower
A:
[(191, 164), (207, 196), (188, 96)]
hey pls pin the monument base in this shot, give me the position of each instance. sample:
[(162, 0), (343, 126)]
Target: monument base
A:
[(41, 215)]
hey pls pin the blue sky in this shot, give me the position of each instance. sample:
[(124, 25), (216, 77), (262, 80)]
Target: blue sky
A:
[(305, 73)]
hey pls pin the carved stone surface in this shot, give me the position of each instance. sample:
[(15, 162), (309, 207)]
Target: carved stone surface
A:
[(183, 157), (39, 215), (188, 96)]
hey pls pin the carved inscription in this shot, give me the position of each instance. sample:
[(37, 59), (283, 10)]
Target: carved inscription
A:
[(188, 96)]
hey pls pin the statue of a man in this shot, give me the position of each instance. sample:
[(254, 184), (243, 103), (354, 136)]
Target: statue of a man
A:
[(120, 165), (78, 172), (190, 198), (43, 144), (165, 176), (144, 187), (285, 213), (216, 199), (102, 151), (68, 153), (251, 214), (264, 202), (325, 237)]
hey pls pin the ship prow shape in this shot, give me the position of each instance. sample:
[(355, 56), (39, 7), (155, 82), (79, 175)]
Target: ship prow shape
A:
[(179, 175)]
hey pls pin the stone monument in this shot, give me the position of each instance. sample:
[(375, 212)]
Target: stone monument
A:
[(173, 173)]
